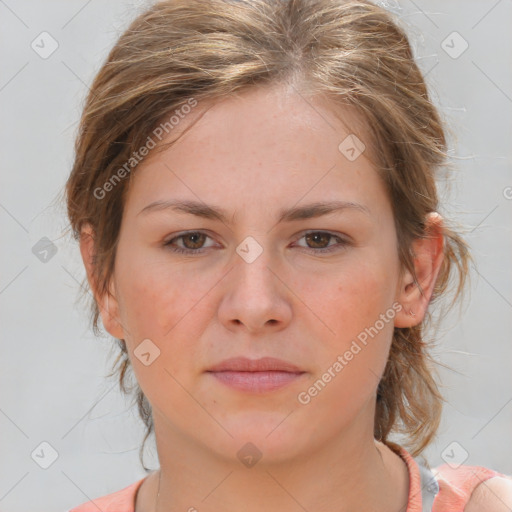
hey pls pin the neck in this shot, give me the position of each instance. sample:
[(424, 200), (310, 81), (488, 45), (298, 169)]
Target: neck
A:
[(343, 476)]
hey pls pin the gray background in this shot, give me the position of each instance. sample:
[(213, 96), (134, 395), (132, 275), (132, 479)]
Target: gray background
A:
[(52, 374)]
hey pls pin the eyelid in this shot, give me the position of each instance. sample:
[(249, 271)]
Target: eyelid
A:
[(343, 241), (180, 235), (334, 234)]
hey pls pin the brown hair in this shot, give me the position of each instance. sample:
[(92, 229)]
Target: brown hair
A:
[(351, 52)]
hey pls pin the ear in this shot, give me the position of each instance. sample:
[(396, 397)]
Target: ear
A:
[(107, 302), (428, 257)]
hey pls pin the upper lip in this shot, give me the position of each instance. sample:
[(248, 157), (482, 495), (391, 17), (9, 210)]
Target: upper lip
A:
[(243, 364)]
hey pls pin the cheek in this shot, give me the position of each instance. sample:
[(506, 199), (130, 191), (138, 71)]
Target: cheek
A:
[(162, 305), (350, 301), (352, 297), (153, 296)]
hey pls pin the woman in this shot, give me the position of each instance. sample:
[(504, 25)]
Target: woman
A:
[(254, 196)]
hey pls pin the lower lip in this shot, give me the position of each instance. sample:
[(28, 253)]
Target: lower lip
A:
[(256, 382)]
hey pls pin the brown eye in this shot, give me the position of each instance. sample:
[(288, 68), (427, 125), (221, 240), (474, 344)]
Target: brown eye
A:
[(196, 240), (319, 239), (320, 242), (192, 243)]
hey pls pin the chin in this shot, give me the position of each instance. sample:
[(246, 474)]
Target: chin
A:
[(261, 438)]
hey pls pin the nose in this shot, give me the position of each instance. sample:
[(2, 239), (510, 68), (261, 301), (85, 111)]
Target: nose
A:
[(256, 298)]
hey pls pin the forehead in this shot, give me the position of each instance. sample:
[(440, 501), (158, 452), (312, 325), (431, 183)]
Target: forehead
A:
[(261, 142), (267, 116)]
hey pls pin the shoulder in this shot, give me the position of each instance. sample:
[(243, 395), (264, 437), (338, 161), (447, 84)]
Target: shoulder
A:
[(493, 495), (119, 501), (472, 489)]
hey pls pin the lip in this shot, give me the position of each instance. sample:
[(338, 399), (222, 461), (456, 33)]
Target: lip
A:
[(256, 375), (265, 364)]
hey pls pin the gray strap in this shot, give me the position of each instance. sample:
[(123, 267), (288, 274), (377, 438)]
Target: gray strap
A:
[(429, 487)]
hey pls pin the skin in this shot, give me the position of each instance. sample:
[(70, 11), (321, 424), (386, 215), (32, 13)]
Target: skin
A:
[(253, 155)]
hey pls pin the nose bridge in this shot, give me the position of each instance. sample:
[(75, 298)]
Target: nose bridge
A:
[(252, 264)]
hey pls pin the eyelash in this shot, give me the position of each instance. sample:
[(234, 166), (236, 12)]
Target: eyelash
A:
[(341, 244)]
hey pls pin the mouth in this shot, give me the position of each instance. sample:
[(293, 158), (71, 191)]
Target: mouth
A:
[(256, 376)]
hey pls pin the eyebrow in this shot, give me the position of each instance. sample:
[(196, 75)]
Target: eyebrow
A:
[(308, 211)]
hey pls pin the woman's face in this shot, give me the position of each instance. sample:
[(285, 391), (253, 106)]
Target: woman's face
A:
[(265, 275)]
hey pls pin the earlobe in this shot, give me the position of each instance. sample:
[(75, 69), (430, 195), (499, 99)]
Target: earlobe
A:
[(107, 302), (109, 310), (414, 295)]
